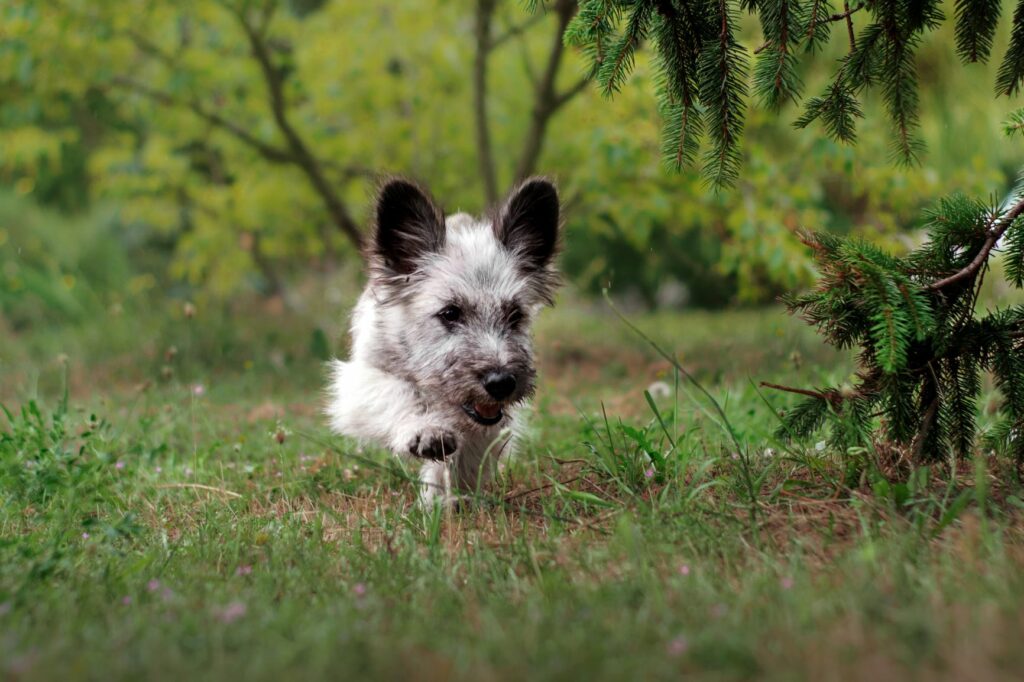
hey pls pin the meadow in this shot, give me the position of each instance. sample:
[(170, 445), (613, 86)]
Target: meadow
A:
[(173, 506), (185, 187)]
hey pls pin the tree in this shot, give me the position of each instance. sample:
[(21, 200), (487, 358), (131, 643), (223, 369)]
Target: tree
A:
[(250, 132), (704, 83), (922, 346)]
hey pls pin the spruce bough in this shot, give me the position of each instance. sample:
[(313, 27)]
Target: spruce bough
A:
[(923, 348), (703, 72)]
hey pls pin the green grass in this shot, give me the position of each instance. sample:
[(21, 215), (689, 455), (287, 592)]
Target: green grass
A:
[(148, 529)]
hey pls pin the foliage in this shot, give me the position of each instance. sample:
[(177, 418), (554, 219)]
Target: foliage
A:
[(59, 271), (387, 89), (702, 80), (922, 347)]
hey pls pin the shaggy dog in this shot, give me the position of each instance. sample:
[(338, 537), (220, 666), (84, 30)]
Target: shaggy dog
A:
[(442, 356)]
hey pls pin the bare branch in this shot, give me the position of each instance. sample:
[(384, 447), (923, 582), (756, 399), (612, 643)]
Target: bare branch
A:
[(833, 397), (146, 46), (516, 30), (563, 98), (848, 15), (268, 151), (546, 100), (303, 158), (484, 45)]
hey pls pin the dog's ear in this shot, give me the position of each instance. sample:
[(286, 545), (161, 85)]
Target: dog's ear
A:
[(409, 225), (528, 223)]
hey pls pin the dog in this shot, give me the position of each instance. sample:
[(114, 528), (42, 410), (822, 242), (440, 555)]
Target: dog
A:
[(441, 364)]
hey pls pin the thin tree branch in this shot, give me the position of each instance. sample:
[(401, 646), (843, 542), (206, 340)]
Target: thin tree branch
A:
[(545, 97), (484, 45), (515, 31), (831, 396), (563, 98), (266, 268), (848, 15), (146, 46), (303, 158), (839, 16), (268, 151), (998, 226)]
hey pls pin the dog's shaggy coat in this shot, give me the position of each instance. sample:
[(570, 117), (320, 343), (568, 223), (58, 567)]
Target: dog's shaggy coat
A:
[(442, 357)]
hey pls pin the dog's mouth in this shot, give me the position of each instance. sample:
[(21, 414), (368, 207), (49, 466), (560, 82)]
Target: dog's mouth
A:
[(487, 414)]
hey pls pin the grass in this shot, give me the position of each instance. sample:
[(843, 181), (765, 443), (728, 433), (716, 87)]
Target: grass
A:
[(181, 511)]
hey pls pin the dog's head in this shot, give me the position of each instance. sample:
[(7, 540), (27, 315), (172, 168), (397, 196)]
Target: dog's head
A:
[(456, 297)]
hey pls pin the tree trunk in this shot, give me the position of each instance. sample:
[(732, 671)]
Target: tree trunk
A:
[(485, 153)]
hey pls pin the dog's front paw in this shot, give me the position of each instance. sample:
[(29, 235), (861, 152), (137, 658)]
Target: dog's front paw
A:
[(436, 444)]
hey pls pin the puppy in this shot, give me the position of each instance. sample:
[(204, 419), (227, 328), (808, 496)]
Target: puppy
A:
[(442, 354)]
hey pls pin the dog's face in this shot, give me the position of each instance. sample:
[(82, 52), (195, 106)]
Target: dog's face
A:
[(456, 298)]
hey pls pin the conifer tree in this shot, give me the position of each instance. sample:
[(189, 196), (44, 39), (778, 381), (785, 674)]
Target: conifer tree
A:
[(922, 345), (703, 73)]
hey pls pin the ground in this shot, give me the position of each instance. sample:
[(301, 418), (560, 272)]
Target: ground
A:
[(183, 512)]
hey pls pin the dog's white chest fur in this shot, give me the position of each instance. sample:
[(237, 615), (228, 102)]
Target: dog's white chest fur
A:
[(442, 358)]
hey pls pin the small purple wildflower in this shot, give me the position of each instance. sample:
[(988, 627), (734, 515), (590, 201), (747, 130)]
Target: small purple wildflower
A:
[(85, 536), (126, 600), (678, 646), (153, 585), (198, 390), (649, 473), (684, 569), (786, 583), (359, 589), (232, 612), (243, 570), (120, 464), (159, 469)]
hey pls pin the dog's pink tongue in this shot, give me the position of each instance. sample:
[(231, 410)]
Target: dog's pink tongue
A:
[(487, 411)]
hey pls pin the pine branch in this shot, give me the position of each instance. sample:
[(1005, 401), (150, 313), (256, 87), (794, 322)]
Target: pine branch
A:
[(815, 22), (1011, 71), (996, 229), (848, 16), (976, 23), (619, 62), (722, 74)]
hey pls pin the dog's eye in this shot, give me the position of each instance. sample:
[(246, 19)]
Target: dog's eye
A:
[(515, 317), (450, 314)]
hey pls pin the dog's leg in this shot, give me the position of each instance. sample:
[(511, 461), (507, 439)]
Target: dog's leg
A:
[(478, 458), (370, 404), (436, 484)]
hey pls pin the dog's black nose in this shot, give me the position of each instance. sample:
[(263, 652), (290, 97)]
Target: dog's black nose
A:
[(499, 385)]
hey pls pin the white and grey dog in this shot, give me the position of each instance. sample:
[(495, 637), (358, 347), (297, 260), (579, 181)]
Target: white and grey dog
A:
[(442, 356)]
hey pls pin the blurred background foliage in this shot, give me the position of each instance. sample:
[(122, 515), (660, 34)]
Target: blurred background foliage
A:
[(212, 149)]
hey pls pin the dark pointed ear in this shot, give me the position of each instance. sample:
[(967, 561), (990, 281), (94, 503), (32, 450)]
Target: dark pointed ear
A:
[(528, 223), (409, 226)]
